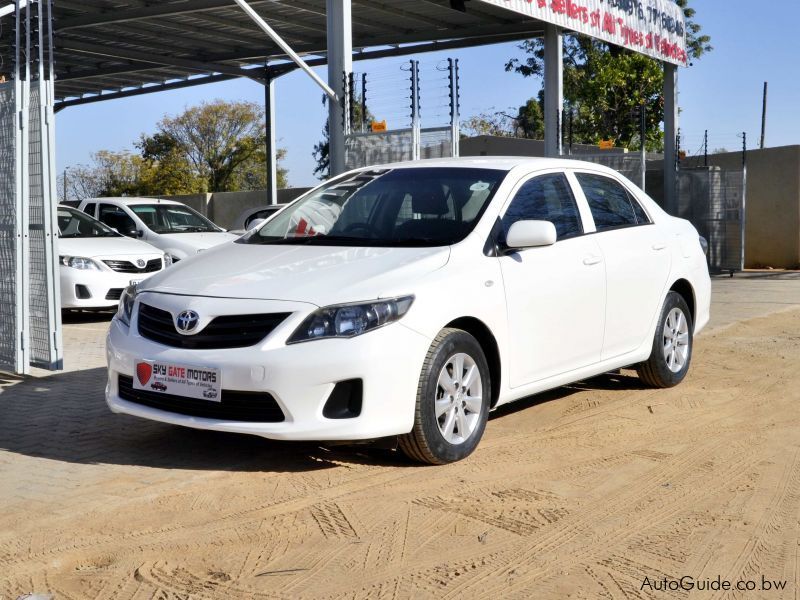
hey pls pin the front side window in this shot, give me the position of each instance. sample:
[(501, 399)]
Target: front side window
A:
[(546, 198), (116, 218), (418, 206), (172, 218), (611, 204)]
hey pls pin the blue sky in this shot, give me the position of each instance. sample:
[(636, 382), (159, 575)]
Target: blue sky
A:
[(721, 92)]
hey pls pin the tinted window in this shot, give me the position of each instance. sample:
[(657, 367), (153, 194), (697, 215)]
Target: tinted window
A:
[(89, 208), (75, 224), (116, 218), (546, 198), (611, 204)]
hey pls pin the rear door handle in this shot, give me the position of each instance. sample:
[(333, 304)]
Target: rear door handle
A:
[(658, 247), (592, 260)]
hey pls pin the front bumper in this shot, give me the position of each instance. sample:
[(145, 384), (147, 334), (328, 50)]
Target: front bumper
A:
[(300, 377), (98, 284)]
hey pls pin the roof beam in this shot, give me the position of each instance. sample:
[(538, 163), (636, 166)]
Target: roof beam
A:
[(158, 59), (146, 12)]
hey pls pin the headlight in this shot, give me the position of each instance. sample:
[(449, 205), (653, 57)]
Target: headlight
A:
[(79, 262), (126, 304), (704, 245), (167, 261), (350, 320)]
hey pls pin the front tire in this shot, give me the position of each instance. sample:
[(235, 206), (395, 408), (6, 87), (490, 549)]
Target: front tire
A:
[(453, 398), (672, 345)]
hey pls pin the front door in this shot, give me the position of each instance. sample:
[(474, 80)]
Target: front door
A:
[(555, 295)]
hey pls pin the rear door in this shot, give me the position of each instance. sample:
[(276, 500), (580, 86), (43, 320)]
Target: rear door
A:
[(555, 295), (637, 259)]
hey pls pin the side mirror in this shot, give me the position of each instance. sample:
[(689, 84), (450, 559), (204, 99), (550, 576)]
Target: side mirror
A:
[(255, 223), (139, 233), (531, 234)]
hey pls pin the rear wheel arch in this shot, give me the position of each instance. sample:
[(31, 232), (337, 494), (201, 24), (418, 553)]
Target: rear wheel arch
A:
[(478, 329), (685, 289)]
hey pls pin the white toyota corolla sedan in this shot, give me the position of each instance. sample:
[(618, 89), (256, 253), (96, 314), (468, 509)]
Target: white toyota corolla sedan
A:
[(96, 263), (412, 299)]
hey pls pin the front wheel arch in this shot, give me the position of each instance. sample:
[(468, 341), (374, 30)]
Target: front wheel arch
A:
[(481, 332)]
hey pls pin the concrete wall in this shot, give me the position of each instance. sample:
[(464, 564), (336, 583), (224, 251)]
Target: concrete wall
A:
[(224, 207), (772, 210)]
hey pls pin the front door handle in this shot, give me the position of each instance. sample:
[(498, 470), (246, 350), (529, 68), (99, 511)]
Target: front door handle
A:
[(659, 246), (592, 260)]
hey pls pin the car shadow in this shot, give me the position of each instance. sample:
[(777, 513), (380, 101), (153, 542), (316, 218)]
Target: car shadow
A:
[(64, 417), (614, 381)]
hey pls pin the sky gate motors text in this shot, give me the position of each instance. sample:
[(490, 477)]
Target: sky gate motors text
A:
[(185, 373)]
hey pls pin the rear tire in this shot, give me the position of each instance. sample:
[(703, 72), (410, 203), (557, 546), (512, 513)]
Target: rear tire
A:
[(453, 398), (671, 354)]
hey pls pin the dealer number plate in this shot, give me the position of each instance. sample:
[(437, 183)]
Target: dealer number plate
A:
[(174, 379)]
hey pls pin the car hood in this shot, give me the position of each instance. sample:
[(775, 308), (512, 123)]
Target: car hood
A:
[(105, 247), (320, 275), (198, 241)]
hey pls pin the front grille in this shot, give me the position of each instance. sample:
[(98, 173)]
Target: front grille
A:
[(234, 331), (249, 407), (124, 266), (114, 294)]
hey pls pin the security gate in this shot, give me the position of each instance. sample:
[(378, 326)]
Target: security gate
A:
[(713, 200), (30, 316)]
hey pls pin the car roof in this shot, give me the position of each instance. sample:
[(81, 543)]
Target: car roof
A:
[(504, 163), (133, 201)]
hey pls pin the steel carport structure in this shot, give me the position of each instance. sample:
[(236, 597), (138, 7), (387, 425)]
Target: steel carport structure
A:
[(107, 49)]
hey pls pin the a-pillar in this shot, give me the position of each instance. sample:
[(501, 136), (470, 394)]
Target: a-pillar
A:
[(553, 89), (670, 138), (340, 65)]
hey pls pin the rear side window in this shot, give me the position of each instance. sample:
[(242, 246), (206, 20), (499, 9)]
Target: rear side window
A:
[(611, 204), (89, 208), (546, 198)]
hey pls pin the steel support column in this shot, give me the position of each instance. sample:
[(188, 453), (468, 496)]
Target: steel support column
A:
[(340, 65), (670, 138), (271, 148), (553, 89)]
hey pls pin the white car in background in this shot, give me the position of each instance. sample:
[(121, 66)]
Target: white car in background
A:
[(175, 228), (96, 263), (410, 300)]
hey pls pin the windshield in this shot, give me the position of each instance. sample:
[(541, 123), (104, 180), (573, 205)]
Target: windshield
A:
[(172, 218), (76, 224), (424, 206)]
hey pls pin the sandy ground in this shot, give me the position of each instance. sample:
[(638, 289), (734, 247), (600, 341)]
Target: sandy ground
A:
[(582, 492)]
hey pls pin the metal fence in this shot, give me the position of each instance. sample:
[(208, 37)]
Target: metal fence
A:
[(11, 279), (30, 317), (367, 149)]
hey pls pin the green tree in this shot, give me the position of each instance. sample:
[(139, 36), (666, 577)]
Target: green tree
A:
[(604, 85), (322, 149), (216, 146), (528, 122)]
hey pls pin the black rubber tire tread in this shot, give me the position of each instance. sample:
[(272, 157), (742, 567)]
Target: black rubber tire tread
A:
[(414, 444), (654, 372)]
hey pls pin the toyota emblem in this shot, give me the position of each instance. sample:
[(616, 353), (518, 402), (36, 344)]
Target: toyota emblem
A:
[(140, 263), (187, 321)]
